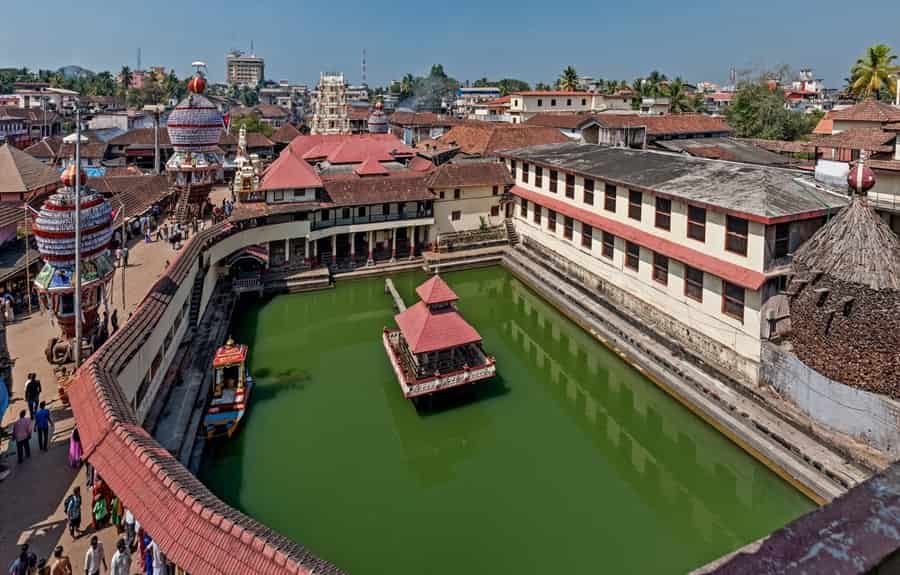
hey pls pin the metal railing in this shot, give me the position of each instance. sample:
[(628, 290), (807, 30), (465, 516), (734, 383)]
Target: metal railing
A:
[(370, 218)]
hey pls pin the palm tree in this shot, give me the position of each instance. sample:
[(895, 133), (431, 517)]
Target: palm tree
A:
[(873, 71), (407, 85), (568, 80), (125, 79), (679, 100)]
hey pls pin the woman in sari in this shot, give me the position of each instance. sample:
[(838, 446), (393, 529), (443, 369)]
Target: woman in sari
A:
[(75, 451)]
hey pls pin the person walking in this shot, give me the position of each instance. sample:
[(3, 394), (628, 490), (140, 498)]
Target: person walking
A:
[(125, 256), (130, 531), (22, 434), (32, 393), (20, 565), (75, 451), (95, 558), (121, 560), (72, 507), (114, 320), (42, 422), (61, 563)]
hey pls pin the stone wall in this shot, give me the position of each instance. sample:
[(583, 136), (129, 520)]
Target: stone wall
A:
[(847, 332), (869, 417)]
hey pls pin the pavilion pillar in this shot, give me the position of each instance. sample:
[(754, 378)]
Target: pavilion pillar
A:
[(371, 260), (287, 250), (306, 251), (352, 246), (394, 244), (334, 248), (411, 234), (315, 251)]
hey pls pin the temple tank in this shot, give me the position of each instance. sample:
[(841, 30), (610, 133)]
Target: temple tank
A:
[(569, 461)]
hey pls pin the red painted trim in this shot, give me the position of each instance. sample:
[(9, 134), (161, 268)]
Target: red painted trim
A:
[(84, 205), (725, 270), (49, 234)]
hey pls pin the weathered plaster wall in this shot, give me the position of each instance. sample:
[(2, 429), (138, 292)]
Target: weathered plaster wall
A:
[(872, 418)]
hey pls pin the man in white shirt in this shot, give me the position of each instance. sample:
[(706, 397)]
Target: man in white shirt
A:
[(121, 560), (95, 558), (159, 560)]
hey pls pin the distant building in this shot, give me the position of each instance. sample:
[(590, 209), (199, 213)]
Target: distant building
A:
[(468, 98), (331, 114), (412, 127), (523, 105), (243, 69), (358, 94), (124, 120)]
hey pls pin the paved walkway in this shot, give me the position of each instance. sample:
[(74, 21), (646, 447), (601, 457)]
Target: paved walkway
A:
[(33, 493)]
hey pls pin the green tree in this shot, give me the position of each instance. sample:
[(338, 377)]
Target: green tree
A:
[(104, 84), (252, 122), (872, 73), (568, 80), (407, 86), (679, 100), (542, 86), (757, 111), (124, 80), (510, 85)]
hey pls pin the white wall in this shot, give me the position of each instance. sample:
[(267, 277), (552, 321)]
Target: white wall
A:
[(706, 317), (872, 418), (715, 221), (474, 204)]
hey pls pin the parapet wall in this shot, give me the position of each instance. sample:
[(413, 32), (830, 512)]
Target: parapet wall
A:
[(110, 395), (869, 417)]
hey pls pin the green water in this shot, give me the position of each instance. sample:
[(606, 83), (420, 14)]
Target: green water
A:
[(568, 462)]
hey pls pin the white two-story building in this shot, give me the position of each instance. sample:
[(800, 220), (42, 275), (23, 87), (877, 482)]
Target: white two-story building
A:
[(691, 247)]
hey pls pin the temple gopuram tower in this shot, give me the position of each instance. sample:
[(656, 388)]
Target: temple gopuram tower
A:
[(331, 115), (194, 126)]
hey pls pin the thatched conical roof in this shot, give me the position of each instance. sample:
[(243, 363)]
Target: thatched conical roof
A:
[(856, 246)]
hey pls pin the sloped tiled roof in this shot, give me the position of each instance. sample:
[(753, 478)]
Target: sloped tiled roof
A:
[(350, 149), (134, 194), (435, 291), (871, 139), (563, 121), (422, 119), (371, 167), (46, 148), (257, 140), (194, 528), (11, 213), (22, 173), (487, 138), (285, 134), (869, 110), (350, 190), (468, 174), (825, 125), (668, 124), (289, 171), (426, 331)]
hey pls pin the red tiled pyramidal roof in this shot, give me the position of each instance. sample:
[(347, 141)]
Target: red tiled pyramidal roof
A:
[(436, 290), (289, 172), (426, 331), (371, 167)]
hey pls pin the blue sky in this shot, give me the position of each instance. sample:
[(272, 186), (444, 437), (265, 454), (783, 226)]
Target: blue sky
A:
[(531, 40)]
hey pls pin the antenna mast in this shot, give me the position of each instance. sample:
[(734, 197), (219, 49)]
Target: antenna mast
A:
[(364, 78), (139, 59)]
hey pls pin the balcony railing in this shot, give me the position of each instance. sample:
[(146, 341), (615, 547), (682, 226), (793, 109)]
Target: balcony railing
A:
[(372, 218)]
